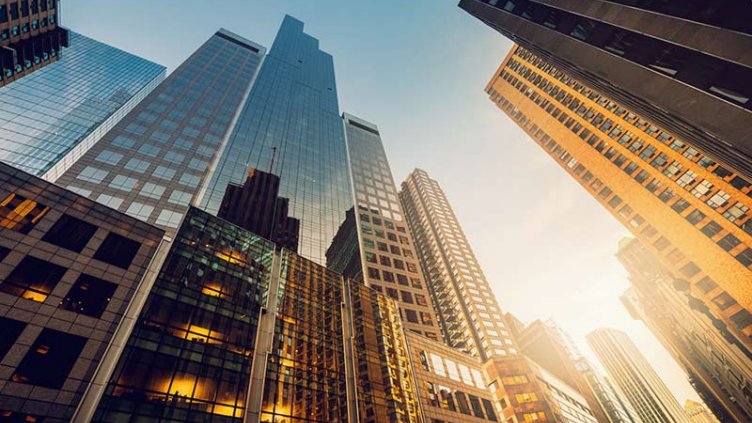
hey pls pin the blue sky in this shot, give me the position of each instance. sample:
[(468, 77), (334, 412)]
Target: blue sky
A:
[(417, 68)]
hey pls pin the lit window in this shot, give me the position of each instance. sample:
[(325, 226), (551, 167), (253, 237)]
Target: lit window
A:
[(20, 214), (50, 359), (33, 279)]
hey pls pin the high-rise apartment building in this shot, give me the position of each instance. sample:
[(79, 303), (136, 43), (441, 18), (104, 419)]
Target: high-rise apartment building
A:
[(30, 37), (152, 164), (290, 126), (715, 360), (691, 212), (469, 314), (686, 66), (69, 270), (628, 368), (374, 244), (610, 398), (50, 118)]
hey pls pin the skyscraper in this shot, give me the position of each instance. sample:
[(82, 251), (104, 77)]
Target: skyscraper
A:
[(642, 386), (30, 37), (470, 316), (290, 126), (374, 244), (698, 413), (152, 164), (52, 117), (690, 211), (716, 361), (684, 66)]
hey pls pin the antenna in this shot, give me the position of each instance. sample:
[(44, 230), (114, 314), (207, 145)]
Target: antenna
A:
[(271, 164)]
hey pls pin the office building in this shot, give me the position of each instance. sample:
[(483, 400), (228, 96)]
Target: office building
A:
[(698, 413), (374, 244), (613, 403), (30, 37), (69, 268), (690, 211), (450, 383), (256, 206), (684, 66), (528, 392), (631, 372), (290, 126), (470, 316), (49, 119), (153, 162), (717, 362), (548, 345)]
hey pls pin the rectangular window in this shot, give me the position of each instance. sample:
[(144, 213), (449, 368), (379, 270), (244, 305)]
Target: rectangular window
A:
[(117, 250), (89, 296), (33, 279), (10, 329), (70, 233), (50, 359), (20, 214)]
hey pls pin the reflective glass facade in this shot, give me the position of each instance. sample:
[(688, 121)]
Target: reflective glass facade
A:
[(153, 162), (57, 112), (189, 356), (290, 126)]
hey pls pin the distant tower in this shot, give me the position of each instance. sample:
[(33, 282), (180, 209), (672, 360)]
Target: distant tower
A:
[(631, 372)]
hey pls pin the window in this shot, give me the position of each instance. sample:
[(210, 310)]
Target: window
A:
[(89, 296), (149, 150), (706, 285), (110, 201), (661, 243), (137, 165), (690, 269), (92, 174), (728, 242), (169, 218), (695, 217), (10, 329), (33, 279), (412, 317), (373, 273), (745, 257), (109, 157), (123, 182), (70, 233), (20, 214), (117, 250), (140, 210), (152, 190), (50, 359), (742, 319), (122, 141), (190, 180), (723, 301), (711, 229), (162, 172)]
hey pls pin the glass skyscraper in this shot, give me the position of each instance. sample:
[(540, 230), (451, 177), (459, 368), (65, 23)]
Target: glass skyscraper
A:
[(152, 163), (290, 126), (52, 116)]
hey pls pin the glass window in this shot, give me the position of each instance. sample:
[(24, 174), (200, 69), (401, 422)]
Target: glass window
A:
[(438, 364), (109, 157), (152, 190), (33, 279), (162, 172), (169, 218), (110, 201), (137, 165), (89, 296), (123, 182), (10, 329), (20, 214), (50, 359), (117, 250), (140, 210), (190, 180), (92, 174), (70, 233)]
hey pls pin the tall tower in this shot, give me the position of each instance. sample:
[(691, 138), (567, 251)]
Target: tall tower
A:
[(52, 117), (642, 386), (470, 316), (290, 126), (152, 164), (684, 65), (715, 360), (374, 244), (691, 212), (30, 37)]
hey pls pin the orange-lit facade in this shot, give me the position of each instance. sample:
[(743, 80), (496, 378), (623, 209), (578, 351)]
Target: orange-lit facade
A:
[(691, 211)]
